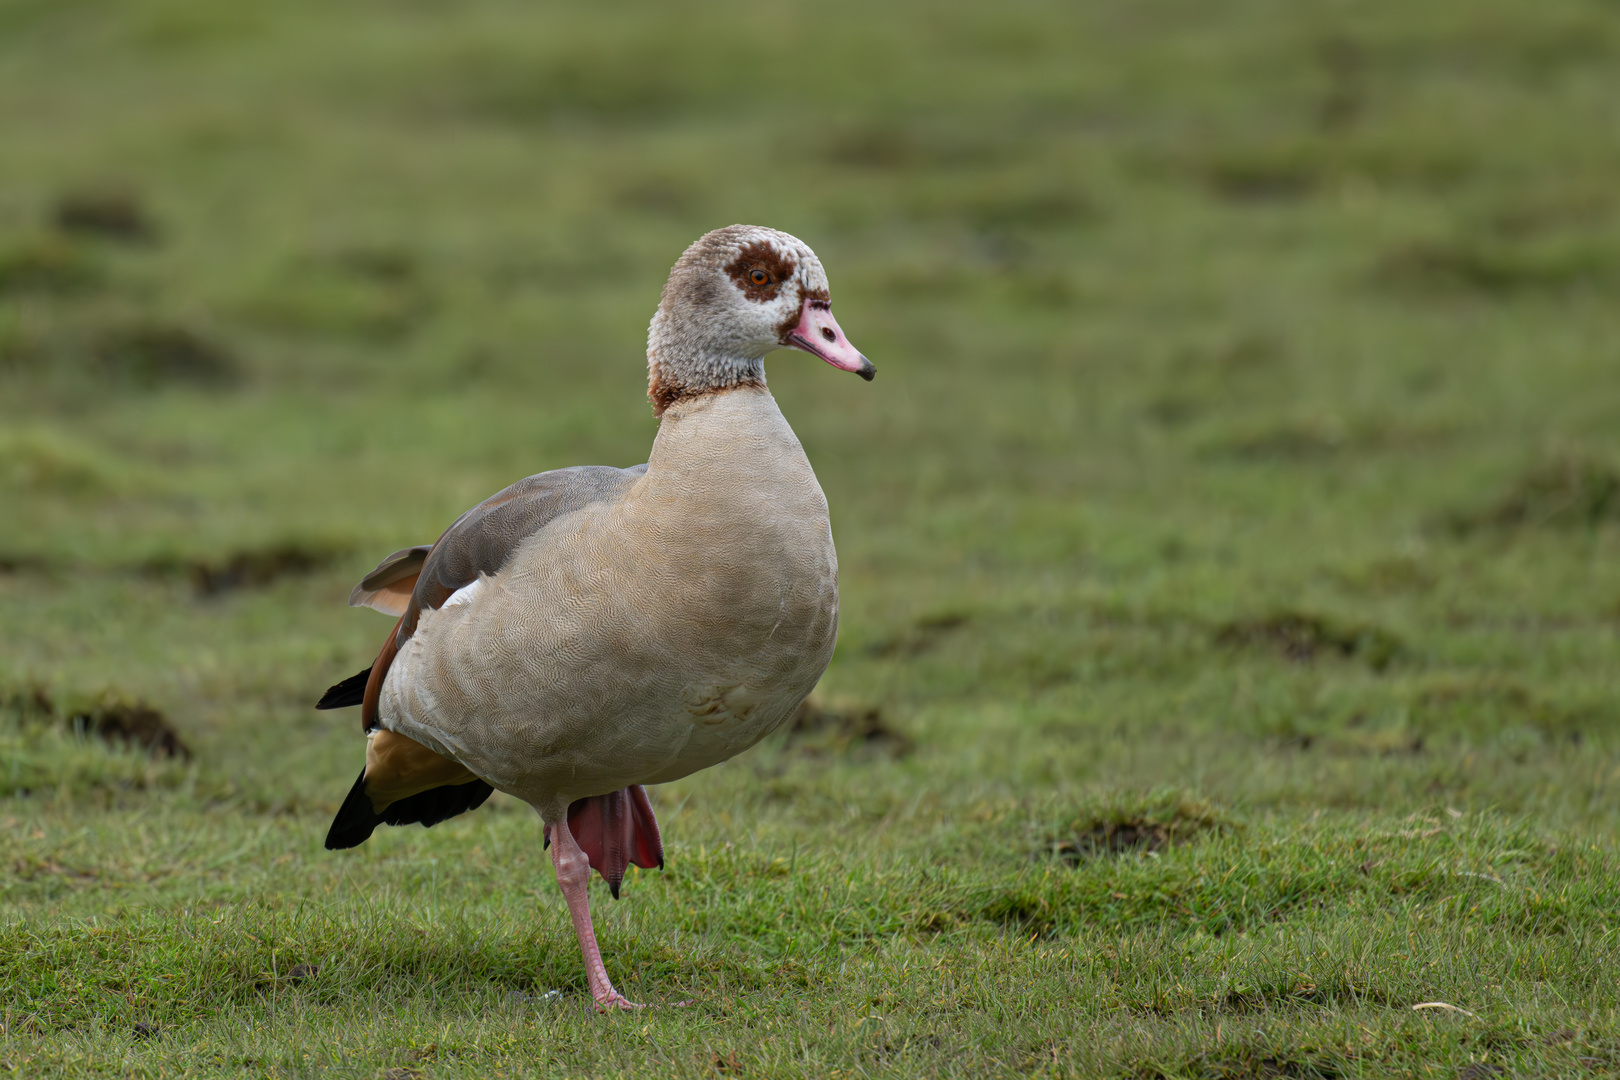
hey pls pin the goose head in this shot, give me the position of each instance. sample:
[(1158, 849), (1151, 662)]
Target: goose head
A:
[(733, 296)]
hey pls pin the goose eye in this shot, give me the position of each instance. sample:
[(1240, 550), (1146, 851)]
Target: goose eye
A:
[(759, 277)]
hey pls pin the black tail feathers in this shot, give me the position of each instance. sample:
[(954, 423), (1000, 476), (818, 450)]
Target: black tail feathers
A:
[(351, 691), (356, 819)]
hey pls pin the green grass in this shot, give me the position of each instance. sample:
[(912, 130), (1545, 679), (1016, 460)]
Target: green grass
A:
[(1230, 543)]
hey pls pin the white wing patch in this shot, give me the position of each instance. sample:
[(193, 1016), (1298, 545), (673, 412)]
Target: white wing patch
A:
[(465, 594)]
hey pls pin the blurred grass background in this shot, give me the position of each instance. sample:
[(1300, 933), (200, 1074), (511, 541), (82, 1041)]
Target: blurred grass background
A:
[(1244, 454)]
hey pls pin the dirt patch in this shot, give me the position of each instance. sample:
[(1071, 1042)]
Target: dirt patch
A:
[(253, 568), (1303, 638), (1114, 838), (1028, 913), (108, 213), (1566, 493), (136, 725), (1101, 835), (815, 729), (157, 354), (130, 724)]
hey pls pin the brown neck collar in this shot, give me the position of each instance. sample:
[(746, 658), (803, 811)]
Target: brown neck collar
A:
[(665, 389)]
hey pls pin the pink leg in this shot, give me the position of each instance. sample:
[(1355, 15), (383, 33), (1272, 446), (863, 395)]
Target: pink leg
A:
[(573, 874)]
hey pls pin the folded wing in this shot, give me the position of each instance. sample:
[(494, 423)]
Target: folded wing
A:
[(406, 783)]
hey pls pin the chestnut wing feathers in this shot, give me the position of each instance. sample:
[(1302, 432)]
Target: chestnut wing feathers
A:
[(388, 588)]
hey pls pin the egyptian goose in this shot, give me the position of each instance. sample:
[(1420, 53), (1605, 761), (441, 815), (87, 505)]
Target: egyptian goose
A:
[(590, 630)]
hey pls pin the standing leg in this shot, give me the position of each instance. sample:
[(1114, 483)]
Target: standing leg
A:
[(573, 873)]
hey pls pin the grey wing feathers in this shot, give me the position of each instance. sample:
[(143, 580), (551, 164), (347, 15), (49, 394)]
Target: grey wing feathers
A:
[(483, 538)]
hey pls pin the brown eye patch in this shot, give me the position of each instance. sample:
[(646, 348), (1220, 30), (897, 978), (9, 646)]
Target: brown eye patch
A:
[(760, 270)]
